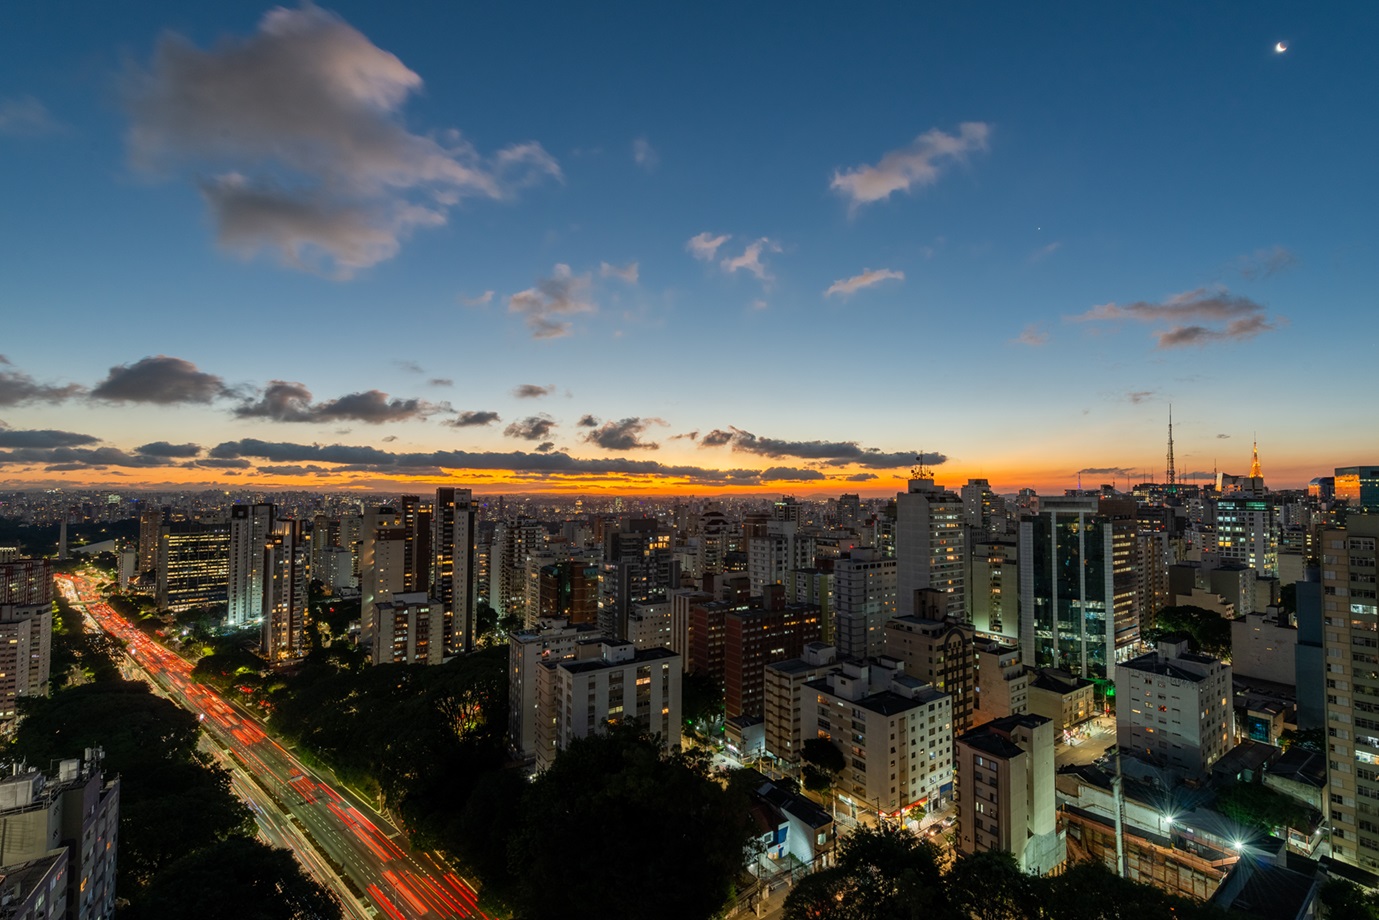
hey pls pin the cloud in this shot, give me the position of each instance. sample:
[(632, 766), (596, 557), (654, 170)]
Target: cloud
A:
[(160, 379), (862, 477), (704, 246), (846, 287), (915, 166), (470, 419), (834, 453), (1243, 318), (645, 155), (43, 437), (25, 116), (58, 459), (531, 428), (440, 382), (791, 474), (627, 273), (624, 435), (587, 421), (482, 300), (759, 304), (1264, 263), (164, 449), (1032, 336), (562, 294), (411, 367), (297, 139), (750, 260), (18, 388), (1139, 396), (1223, 436), (286, 401), (347, 458), (545, 447), (532, 391), (1104, 471), (1043, 252)]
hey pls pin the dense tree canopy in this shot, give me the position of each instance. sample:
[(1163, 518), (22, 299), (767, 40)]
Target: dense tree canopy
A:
[(236, 879), (1209, 631), (619, 799)]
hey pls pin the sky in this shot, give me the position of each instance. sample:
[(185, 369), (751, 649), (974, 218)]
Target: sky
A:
[(705, 249)]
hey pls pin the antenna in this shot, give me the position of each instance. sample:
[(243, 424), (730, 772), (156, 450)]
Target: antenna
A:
[(1172, 473)]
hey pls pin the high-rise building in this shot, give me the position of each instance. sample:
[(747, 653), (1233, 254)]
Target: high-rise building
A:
[(1247, 532), (864, 598), (383, 557), (250, 528), (772, 555), (1002, 687), (993, 588), (753, 638), (26, 581), (513, 542), (1358, 486), (26, 635), (938, 652), (783, 693), (1077, 587), (929, 546), (1173, 708), (607, 681), (285, 591), (569, 590), (1350, 566), (74, 813), (552, 641), (638, 566), (408, 628), (193, 564), (983, 511), (894, 730), (1005, 792), (150, 528), (453, 577), (849, 511)]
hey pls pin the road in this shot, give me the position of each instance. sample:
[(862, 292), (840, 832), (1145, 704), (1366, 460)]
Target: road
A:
[(337, 837)]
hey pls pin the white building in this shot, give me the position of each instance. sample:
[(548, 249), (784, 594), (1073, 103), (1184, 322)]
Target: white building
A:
[(1174, 708), (250, 528), (894, 731), (1002, 682), (1005, 792), (929, 546), (648, 625), (606, 682), (552, 640), (26, 637), (285, 587), (772, 557)]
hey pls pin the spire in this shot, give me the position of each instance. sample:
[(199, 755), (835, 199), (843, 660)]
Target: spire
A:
[(1172, 474), (1255, 472)]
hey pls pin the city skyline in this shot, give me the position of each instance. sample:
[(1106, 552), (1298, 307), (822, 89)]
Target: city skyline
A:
[(339, 247)]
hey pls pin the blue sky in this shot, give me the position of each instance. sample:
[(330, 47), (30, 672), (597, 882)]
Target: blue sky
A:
[(1040, 227)]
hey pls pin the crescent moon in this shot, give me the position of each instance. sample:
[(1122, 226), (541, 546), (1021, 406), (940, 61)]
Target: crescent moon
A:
[(1281, 47)]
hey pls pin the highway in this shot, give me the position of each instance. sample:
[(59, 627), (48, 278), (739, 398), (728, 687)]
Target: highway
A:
[(341, 842)]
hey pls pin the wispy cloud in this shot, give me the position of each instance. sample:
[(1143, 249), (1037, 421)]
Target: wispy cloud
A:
[(704, 246), (1032, 336), (1263, 263), (296, 137), (533, 391), (1043, 252), (481, 300), (472, 419), (834, 453), (626, 273), (750, 260), (19, 388), (845, 287), (1138, 396), (645, 155), (915, 166), (25, 116), (1234, 318), (562, 294)]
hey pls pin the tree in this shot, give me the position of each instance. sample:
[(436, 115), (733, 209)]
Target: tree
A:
[(606, 793), (822, 764), (881, 874), (701, 700), (1257, 806), (990, 885), (1210, 633), (236, 879), (1090, 891), (222, 669), (1345, 900)]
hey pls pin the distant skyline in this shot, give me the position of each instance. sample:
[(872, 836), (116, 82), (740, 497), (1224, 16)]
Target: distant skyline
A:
[(700, 250)]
